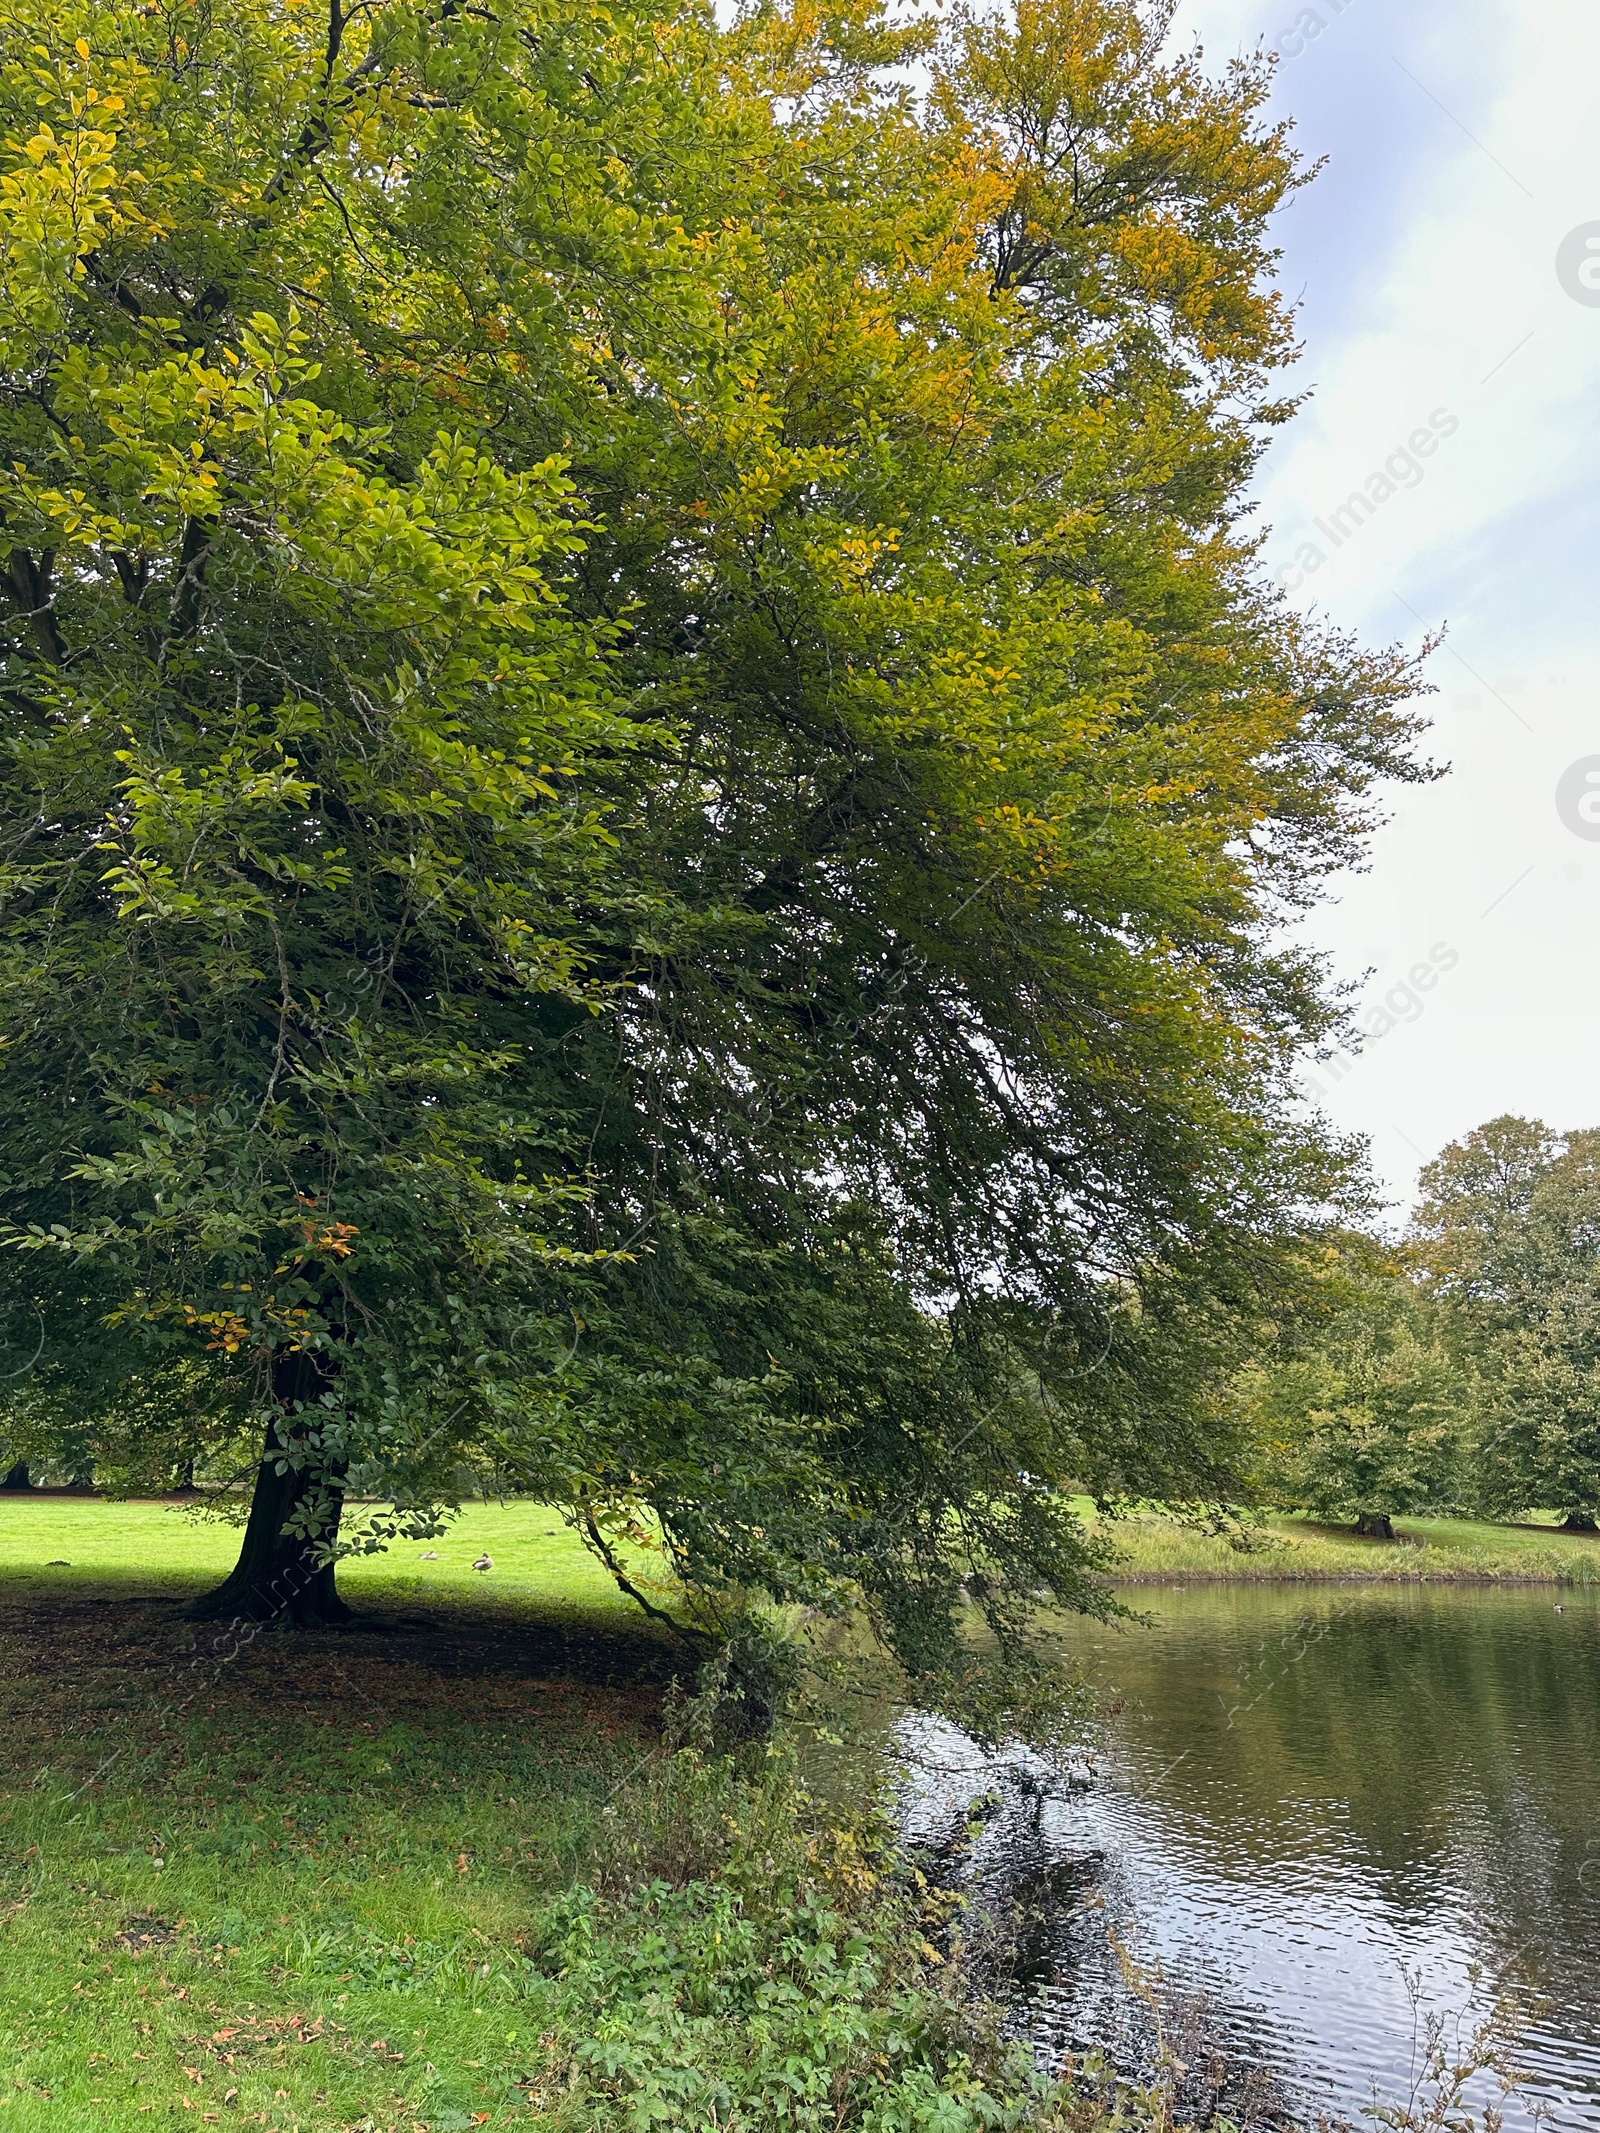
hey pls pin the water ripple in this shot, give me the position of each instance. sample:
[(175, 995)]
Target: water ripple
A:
[(1300, 1806)]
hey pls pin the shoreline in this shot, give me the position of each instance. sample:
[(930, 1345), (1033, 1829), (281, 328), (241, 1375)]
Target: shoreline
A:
[(1159, 1580)]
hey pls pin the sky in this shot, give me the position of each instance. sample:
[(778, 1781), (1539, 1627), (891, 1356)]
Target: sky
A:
[(1449, 306)]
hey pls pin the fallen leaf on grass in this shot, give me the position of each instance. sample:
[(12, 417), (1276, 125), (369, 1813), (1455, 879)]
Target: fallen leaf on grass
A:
[(143, 1932)]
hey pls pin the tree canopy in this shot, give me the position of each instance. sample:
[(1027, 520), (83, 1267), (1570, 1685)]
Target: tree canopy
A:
[(648, 780), (1360, 1402), (1509, 1239)]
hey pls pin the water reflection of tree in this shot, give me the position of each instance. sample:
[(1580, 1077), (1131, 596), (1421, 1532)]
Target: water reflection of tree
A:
[(1446, 1746)]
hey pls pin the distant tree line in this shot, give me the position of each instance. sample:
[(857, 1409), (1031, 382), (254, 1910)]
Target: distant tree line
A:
[(1460, 1369)]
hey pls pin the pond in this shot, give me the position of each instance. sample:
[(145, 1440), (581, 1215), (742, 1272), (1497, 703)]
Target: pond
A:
[(1311, 1812)]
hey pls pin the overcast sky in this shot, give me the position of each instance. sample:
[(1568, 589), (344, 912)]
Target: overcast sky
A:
[(1462, 140)]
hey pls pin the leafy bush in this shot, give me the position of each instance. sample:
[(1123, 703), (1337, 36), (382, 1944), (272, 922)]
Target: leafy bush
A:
[(738, 1958)]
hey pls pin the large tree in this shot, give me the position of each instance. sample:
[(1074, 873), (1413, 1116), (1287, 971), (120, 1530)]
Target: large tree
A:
[(648, 780), (1360, 1404), (1509, 1235), (306, 760), (998, 765)]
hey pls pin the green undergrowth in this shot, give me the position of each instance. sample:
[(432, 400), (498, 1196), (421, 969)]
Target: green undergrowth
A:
[(402, 1878)]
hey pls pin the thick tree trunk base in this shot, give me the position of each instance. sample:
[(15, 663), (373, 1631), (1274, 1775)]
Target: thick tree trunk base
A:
[(17, 1477), (1580, 1522), (1375, 1526), (278, 1577), (286, 1587)]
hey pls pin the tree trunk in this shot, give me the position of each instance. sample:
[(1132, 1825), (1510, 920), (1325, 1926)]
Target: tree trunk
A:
[(17, 1477), (1581, 1522), (277, 1577), (1375, 1526)]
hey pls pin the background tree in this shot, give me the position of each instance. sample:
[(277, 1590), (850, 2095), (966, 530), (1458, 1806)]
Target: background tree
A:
[(1362, 1411), (1509, 1233)]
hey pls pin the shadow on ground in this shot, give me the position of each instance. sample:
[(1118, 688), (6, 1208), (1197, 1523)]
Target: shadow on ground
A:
[(77, 1663)]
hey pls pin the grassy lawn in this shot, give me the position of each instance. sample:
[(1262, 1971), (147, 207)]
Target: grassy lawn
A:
[(62, 1542), (433, 1871), (1156, 1550), (300, 1901)]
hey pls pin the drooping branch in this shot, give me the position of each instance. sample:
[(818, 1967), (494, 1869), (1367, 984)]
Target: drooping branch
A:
[(698, 1640)]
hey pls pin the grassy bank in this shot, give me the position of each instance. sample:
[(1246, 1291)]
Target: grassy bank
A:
[(1157, 1550), (436, 1871), (64, 1543), (444, 1869)]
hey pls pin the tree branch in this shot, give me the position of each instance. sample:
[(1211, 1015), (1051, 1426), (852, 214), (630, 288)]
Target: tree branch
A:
[(696, 1639), (29, 584), (190, 588), (316, 133), (135, 576)]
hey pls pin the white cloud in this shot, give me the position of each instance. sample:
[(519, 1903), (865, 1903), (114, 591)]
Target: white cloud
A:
[(1461, 149)]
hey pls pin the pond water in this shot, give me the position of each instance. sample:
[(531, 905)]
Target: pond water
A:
[(1310, 1811)]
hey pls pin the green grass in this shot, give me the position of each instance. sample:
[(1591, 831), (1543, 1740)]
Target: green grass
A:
[(541, 1566), (433, 1871), (1158, 1550), (297, 1868), (172, 1548)]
